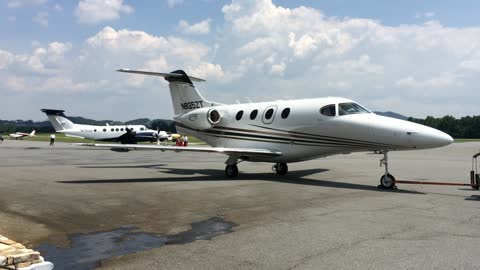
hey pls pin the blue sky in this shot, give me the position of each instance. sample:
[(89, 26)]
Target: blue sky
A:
[(417, 58)]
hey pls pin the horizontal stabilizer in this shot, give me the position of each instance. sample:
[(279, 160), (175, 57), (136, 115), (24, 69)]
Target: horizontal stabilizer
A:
[(165, 75), (228, 151), (53, 112)]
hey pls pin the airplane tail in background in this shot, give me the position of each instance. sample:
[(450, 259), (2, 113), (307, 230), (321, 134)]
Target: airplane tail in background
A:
[(58, 119), (32, 133), (185, 97)]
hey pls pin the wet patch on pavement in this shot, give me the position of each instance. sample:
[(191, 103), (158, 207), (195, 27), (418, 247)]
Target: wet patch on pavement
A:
[(88, 250)]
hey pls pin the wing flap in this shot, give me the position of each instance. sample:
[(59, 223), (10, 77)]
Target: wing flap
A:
[(227, 151)]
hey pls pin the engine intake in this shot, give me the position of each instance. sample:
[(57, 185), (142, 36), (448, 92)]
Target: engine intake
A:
[(201, 119), (213, 116)]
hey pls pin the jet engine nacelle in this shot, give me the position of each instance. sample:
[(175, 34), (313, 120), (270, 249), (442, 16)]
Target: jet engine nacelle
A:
[(202, 118)]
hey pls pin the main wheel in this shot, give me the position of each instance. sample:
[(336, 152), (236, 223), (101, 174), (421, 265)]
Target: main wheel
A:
[(231, 170), (387, 182), (281, 168)]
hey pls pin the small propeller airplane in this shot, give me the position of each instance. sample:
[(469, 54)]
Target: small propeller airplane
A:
[(21, 135), (124, 134), (286, 131)]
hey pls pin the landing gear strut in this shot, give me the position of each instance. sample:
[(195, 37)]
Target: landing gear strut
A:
[(387, 181), (281, 168)]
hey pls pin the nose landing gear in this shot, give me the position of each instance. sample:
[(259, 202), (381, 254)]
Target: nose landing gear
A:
[(387, 181)]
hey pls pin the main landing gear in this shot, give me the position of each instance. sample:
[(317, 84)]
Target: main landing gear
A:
[(280, 168), (231, 170), (387, 181)]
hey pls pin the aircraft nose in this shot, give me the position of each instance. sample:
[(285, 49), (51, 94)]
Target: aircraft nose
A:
[(435, 138), (441, 138)]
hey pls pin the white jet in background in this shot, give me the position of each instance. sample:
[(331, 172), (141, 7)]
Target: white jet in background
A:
[(287, 131), (21, 135), (117, 133)]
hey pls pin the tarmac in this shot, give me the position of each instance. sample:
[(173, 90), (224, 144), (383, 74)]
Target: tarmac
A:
[(85, 208)]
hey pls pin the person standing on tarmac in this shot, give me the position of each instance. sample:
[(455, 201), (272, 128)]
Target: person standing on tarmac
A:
[(52, 139), (185, 141)]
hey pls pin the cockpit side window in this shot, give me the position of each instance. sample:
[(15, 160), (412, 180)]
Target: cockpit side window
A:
[(350, 108), (328, 110)]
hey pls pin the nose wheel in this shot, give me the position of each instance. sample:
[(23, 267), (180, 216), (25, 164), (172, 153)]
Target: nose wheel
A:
[(280, 168), (387, 181)]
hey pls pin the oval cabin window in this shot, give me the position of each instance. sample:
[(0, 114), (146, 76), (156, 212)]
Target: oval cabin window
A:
[(269, 114), (253, 114), (239, 115), (285, 113)]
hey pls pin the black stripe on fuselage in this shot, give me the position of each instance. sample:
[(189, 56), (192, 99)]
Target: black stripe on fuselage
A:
[(315, 138), (246, 138), (323, 137), (279, 138)]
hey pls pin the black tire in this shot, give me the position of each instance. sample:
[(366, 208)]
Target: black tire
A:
[(231, 170), (388, 183), (281, 168)]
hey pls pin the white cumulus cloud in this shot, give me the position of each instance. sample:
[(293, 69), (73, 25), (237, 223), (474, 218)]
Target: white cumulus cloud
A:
[(174, 3), (265, 51), (94, 11), (202, 27)]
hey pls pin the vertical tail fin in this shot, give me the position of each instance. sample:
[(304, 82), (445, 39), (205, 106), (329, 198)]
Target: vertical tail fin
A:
[(185, 97), (32, 133), (58, 119)]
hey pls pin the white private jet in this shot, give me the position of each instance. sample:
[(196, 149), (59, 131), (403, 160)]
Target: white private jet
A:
[(287, 131), (21, 135), (124, 134)]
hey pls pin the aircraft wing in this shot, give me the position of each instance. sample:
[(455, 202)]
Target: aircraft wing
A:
[(227, 151)]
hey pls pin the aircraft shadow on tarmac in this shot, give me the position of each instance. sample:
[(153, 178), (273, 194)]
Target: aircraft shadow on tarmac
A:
[(473, 198), (194, 175), (140, 166)]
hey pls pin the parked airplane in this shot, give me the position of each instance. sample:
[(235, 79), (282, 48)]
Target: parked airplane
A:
[(287, 131), (21, 135), (118, 133)]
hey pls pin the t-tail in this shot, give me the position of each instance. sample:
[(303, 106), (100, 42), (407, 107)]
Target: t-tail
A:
[(185, 97), (58, 119)]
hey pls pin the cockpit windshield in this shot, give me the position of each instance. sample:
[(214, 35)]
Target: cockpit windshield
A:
[(350, 108)]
